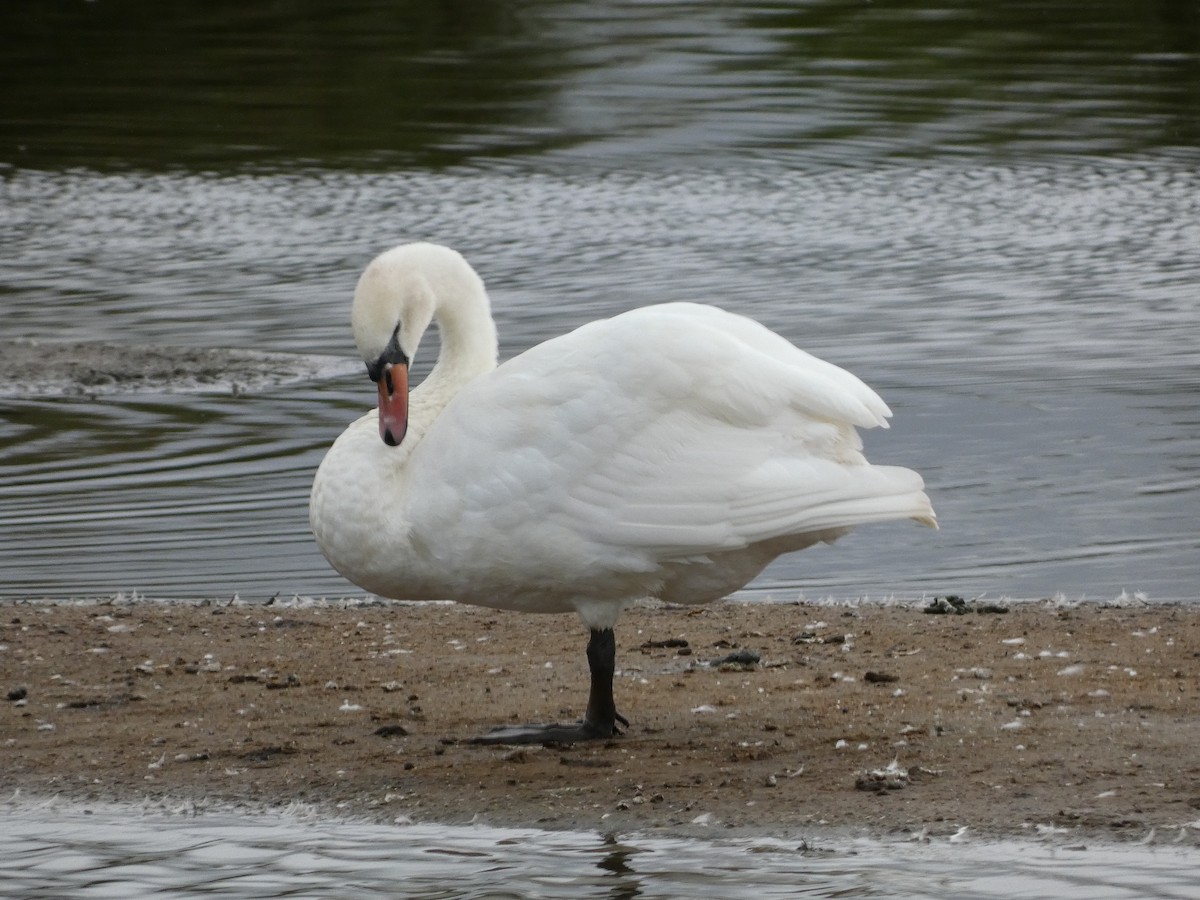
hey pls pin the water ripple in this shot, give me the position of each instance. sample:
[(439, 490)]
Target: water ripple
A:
[(121, 853), (1032, 325)]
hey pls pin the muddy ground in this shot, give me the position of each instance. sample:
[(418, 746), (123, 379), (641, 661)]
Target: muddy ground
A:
[(1043, 719)]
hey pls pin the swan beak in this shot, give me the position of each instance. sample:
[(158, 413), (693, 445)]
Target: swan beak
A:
[(393, 403)]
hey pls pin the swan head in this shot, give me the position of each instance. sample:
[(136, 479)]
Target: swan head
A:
[(397, 296)]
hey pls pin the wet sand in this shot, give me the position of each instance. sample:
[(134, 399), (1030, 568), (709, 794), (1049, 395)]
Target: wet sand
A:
[(1079, 722)]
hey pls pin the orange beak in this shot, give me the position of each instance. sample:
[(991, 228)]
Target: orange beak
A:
[(393, 403)]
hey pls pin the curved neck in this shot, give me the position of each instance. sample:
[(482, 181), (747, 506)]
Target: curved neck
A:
[(469, 349)]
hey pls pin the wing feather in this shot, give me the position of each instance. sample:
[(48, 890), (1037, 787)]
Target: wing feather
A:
[(668, 432)]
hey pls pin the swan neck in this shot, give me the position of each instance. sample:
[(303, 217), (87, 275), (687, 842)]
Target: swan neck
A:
[(469, 344)]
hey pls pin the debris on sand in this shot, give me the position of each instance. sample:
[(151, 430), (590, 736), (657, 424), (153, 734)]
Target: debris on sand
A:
[(669, 643), (738, 660), (811, 637), (952, 604), (387, 731), (940, 606), (893, 777), (880, 677)]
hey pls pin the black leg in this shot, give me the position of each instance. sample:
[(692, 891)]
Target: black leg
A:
[(600, 720), (602, 713)]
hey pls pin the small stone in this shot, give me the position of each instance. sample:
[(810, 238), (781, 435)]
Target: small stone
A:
[(951, 604), (739, 659), (668, 643), (387, 731), (880, 677)]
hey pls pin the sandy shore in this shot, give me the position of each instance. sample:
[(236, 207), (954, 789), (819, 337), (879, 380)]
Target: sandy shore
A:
[(1076, 721)]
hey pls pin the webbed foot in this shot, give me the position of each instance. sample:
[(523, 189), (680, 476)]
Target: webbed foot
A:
[(552, 733), (600, 721)]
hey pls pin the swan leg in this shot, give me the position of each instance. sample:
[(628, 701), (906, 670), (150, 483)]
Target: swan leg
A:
[(600, 720)]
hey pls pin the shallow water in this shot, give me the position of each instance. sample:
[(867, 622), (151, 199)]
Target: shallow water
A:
[(122, 853)]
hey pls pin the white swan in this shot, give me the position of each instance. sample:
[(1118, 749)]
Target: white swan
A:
[(671, 451)]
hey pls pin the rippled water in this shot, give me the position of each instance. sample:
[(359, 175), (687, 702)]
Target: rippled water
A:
[(990, 211), (127, 855), (1034, 328)]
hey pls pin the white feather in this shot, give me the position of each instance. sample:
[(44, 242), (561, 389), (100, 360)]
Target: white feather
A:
[(671, 451)]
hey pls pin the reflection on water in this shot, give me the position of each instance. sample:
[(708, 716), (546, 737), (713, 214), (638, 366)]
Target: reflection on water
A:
[(365, 83), (121, 853)]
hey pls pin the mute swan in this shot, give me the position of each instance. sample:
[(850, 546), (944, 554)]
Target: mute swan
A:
[(671, 452)]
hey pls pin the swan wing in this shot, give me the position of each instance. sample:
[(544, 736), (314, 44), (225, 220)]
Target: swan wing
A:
[(661, 434)]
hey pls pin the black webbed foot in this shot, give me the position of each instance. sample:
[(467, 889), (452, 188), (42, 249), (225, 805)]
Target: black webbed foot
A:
[(550, 733), (601, 719)]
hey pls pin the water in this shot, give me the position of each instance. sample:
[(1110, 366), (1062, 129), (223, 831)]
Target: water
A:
[(991, 212), (1033, 327), (609, 85), (128, 854), (988, 211)]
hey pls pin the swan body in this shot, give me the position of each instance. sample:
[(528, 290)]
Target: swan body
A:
[(672, 452)]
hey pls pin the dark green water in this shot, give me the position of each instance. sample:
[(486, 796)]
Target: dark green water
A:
[(226, 86)]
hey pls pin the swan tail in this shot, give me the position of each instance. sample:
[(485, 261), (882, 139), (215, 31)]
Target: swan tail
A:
[(848, 496)]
